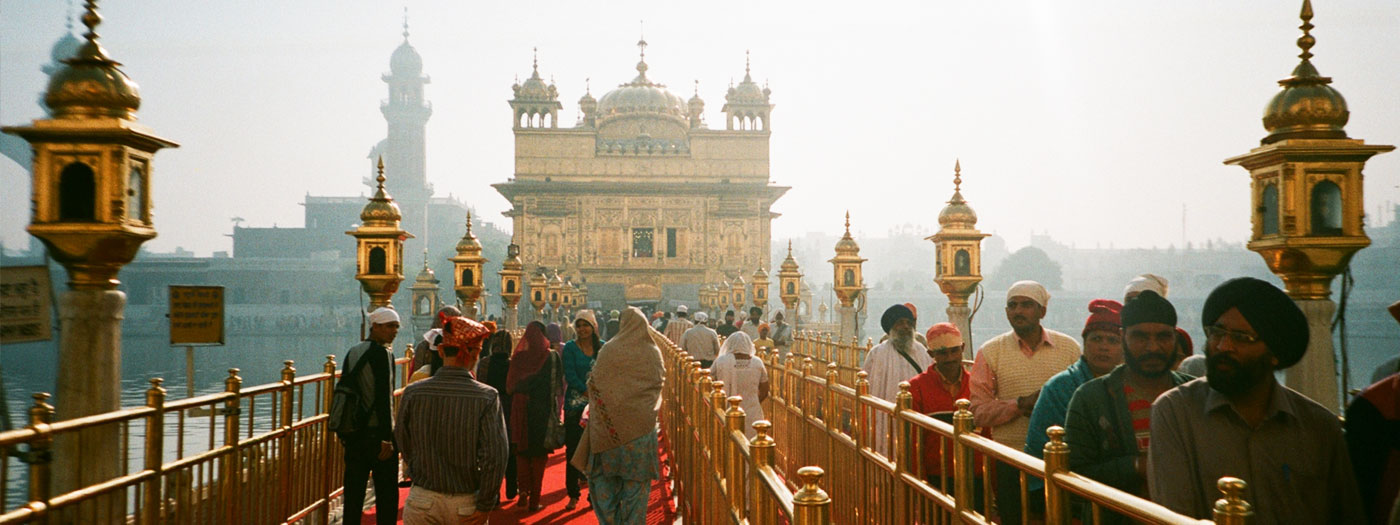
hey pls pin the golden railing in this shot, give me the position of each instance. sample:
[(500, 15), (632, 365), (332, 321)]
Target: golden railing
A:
[(260, 454), (818, 420)]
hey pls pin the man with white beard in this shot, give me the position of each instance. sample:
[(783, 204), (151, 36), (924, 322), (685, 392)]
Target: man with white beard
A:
[(899, 358)]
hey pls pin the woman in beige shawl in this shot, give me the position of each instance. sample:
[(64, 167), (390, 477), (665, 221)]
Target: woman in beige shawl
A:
[(618, 450)]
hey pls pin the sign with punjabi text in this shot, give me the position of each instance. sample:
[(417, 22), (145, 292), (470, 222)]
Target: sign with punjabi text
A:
[(196, 315), (26, 304)]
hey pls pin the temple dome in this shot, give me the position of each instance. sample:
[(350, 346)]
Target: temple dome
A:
[(1307, 107), (89, 84), (641, 96)]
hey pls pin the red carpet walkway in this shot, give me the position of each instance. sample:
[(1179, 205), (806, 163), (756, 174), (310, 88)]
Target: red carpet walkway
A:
[(659, 511)]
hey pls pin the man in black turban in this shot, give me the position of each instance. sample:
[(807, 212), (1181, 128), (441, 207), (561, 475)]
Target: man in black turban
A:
[(1240, 422)]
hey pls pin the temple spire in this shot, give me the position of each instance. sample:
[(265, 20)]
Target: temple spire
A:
[(405, 23)]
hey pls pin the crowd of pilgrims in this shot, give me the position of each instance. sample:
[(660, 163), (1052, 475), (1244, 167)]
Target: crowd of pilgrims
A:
[(1141, 411)]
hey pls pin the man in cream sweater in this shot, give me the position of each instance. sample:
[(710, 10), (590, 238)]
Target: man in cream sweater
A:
[(1007, 375)]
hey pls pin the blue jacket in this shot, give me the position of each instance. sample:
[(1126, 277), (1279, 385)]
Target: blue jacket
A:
[(1053, 405), (576, 369)]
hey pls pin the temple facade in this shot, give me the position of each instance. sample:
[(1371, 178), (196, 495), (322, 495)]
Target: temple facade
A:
[(641, 199)]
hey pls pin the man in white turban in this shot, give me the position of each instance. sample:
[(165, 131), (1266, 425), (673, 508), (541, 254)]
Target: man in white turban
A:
[(1143, 283)]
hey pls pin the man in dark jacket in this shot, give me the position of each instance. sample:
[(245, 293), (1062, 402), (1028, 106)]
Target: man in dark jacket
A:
[(372, 450), (1109, 419)]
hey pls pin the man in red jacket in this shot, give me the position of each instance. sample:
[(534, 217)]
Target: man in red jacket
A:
[(934, 393)]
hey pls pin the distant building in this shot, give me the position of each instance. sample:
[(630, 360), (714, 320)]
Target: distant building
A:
[(640, 198)]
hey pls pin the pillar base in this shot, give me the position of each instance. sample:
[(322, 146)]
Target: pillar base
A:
[(89, 382)]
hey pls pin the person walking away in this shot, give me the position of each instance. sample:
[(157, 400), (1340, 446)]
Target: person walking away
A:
[(619, 450), (493, 370), (677, 327), (452, 435), (578, 355), (700, 342), (532, 389), (371, 451), (743, 376), (422, 352)]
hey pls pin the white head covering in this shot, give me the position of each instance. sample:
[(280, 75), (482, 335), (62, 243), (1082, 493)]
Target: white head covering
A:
[(1145, 282), (383, 315), (682, 309), (431, 337), (1030, 289), (701, 317), (737, 343), (587, 315)]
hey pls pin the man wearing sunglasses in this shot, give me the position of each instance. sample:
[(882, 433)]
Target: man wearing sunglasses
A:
[(1239, 421)]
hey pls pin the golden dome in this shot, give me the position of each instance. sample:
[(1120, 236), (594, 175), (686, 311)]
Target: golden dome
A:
[(534, 88), (381, 209), (759, 275), (847, 245), (90, 84), (747, 92), (641, 96), (1307, 107), (789, 264), (469, 245), (426, 275), (957, 212)]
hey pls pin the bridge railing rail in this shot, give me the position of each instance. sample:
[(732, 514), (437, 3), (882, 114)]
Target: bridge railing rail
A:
[(260, 454)]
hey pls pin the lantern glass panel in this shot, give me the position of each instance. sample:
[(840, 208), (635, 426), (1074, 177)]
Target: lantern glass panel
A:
[(468, 278), (848, 277), (1326, 209), (377, 260), (791, 288), (424, 306), (1268, 210), (962, 263), (510, 286), (135, 202), (77, 193)]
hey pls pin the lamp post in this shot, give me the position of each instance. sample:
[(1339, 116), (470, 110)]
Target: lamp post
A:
[(511, 274), (958, 267), (847, 281), (759, 294), (467, 267), (539, 287), (91, 204), (724, 296), (1306, 194), (379, 246), (555, 290), (738, 290), (790, 286), (425, 297)]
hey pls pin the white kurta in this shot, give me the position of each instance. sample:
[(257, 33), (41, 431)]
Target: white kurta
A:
[(741, 378), (885, 368)]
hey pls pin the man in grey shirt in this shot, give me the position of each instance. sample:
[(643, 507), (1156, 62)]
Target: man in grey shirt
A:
[(1238, 421), (700, 342)]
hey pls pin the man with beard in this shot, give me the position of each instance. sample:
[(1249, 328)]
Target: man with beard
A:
[(1107, 427), (1240, 422), (934, 393), (1007, 376), (727, 327), (894, 361)]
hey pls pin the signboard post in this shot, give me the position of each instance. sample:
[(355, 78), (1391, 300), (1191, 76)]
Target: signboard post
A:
[(196, 319), (26, 304)]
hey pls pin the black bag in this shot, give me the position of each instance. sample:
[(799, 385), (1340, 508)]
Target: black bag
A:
[(348, 415)]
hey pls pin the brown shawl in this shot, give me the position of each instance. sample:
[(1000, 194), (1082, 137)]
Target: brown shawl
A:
[(624, 401)]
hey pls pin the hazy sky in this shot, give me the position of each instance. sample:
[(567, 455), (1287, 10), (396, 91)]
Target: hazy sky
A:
[(1094, 121)]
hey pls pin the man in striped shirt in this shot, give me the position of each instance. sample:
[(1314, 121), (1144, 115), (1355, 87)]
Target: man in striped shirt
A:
[(452, 435)]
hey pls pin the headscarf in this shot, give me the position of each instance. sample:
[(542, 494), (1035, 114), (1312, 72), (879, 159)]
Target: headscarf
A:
[(624, 401), (587, 315), (554, 334), (737, 343), (1031, 290), (1148, 307), (530, 355), (943, 335), (1145, 282), (1273, 315)]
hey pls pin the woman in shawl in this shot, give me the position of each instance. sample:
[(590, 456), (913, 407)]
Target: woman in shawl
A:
[(555, 335), (534, 372), (743, 376), (493, 370), (578, 356), (618, 450)]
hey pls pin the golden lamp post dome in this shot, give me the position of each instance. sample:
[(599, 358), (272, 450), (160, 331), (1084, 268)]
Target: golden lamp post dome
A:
[(426, 275), (90, 84), (381, 209), (847, 245), (957, 213), (469, 245), (1307, 107)]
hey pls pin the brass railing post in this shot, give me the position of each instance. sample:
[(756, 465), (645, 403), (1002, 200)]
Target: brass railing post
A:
[(901, 450), (761, 448), (734, 477), (286, 457), (810, 505), (233, 468), (831, 417), (807, 401), (155, 445), (328, 456), (962, 459), (858, 426), (1056, 460), (39, 457), (1232, 509)]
